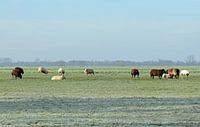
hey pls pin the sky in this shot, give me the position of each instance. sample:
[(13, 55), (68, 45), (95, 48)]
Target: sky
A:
[(135, 30)]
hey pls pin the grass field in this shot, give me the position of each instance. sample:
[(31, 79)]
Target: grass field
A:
[(109, 98)]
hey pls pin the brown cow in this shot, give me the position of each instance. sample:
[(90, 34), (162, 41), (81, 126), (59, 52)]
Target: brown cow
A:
[(134, 73), (17, 72), (157, 72), (173, 72)]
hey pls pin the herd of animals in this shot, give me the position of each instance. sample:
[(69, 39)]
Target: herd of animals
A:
[(17, 72), (162, 73)]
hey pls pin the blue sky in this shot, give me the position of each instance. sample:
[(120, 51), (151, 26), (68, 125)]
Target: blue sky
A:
[(133, 30)]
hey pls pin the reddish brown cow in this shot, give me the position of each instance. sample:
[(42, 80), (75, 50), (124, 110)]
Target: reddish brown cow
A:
[(134, 73), (157, 72)]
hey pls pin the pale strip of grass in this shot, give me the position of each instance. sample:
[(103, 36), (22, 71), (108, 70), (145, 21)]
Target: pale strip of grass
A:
[(100, 112)]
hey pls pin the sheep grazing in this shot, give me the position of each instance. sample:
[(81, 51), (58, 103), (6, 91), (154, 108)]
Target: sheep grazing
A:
[(165, 76), (89, 71), (17, 72), (61, 71), (42, 70), (134, 73), (184, 73), (173, 72), (20, 69), (157, 72), (61, 77)]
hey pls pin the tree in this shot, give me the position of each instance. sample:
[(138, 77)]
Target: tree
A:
[(190, 60)]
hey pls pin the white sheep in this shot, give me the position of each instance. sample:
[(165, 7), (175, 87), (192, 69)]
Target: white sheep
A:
[(61, 71), (164, 76), (184, 73), (60, 77), (42, 70)]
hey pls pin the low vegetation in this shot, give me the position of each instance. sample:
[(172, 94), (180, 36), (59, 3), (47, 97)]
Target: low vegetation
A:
[(108, 98)]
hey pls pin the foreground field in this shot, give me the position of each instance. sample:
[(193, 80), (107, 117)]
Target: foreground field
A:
[(110, 98), (100, 112)]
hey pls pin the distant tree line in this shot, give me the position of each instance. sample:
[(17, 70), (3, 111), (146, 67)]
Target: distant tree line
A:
[(188, 62)]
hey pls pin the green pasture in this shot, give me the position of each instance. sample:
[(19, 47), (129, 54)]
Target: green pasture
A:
[(108, 98), (112, 82)]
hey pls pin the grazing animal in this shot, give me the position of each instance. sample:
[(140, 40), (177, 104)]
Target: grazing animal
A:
[(184, 73), (157, 72), (17, 72), (164, 76), (173, 73), (134, 73), (61, 71), (42, 70), (61, 77), (88, 71), (20, 69)]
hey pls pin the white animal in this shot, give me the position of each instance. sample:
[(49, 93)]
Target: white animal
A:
[(164, 76), (61, 71), (184, 73), (42, 70), (61, 77)]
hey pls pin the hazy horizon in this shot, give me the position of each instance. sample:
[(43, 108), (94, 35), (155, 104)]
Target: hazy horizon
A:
[(135, 30)]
